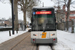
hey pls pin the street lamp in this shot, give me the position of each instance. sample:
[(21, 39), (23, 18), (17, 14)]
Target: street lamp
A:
[(12, 4)]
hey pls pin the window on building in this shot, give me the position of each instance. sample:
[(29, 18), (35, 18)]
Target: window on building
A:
[(72, 15)]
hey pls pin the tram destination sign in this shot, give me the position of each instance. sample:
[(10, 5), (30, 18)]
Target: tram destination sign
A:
[(42, 12)]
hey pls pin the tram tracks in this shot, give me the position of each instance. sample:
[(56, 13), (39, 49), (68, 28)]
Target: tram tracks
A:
[(35, 47)]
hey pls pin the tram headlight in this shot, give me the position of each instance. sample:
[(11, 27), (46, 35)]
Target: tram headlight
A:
[(34, 35), (52, 34)]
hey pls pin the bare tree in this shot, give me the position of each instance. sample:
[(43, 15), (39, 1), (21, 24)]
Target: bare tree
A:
[(26, 5), (15, 14), (67, 4), (68, 12), (35, 3)]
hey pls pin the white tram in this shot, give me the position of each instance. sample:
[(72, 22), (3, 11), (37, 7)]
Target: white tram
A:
[(43, 26)]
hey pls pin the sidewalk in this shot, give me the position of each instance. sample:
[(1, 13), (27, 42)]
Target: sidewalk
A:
[(4, 35)]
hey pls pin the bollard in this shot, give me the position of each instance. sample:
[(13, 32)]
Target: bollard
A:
[(9, 33), (16, 31), (72, 26)]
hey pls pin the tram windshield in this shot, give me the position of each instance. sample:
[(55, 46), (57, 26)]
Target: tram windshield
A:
[(43, 22)]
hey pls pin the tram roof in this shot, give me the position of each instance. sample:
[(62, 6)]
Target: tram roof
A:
[(42, 7)]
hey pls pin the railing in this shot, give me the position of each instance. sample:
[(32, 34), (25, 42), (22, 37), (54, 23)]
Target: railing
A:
[(3, 28)]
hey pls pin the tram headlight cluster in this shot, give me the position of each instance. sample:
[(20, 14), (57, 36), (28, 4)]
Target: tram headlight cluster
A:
[(34, 35), (52, 34)]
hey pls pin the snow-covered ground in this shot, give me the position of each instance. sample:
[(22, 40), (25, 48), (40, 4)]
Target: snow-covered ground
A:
[(66, 40), (44, 47), (4, 35)]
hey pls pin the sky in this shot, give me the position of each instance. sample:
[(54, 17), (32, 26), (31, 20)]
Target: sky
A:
[(47, 3), (5, 9)]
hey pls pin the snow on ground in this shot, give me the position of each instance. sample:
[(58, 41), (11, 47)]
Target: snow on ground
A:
[(44, 47), (66, 41), (4, 35)]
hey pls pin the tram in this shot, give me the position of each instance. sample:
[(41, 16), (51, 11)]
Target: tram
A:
[(43, 25)]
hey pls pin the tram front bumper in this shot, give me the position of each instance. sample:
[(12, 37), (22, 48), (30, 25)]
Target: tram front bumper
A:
[(43, 41)]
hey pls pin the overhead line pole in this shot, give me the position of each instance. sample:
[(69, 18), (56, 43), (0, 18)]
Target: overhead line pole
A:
[(12, 5)]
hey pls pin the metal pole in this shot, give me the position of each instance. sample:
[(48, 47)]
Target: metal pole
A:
[(12, 4)]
